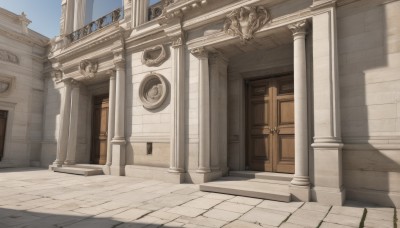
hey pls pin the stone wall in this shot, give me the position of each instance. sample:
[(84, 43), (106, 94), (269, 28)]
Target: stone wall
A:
[(24, 98), (369, 66)]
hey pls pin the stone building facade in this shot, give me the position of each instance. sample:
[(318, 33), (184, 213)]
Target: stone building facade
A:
[(193, 90), (22, 57)]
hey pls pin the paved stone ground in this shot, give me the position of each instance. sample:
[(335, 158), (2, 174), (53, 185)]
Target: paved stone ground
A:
[(40, 198)]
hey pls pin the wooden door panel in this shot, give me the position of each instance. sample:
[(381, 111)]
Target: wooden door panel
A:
[(3, 126), (285, 112), (260, 110), (100, 130)]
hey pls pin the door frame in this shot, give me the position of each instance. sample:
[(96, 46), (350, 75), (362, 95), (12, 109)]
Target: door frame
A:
[(104, 95), (244, 155)]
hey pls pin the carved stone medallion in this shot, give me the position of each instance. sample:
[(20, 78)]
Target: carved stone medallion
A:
[(246, 21), (155, 56), (153, 91), (88, 68), (7, 56), (7, 83)]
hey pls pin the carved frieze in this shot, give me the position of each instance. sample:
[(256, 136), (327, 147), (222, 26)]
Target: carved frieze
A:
[(153, 91), (88, 68), (7, 83), (246, 21), (7, 56), (155, 56)]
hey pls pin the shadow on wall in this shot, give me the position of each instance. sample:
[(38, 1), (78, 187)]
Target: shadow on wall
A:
[(369, 98)]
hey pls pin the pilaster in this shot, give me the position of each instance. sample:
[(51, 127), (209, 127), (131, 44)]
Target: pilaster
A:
[(327, 144)]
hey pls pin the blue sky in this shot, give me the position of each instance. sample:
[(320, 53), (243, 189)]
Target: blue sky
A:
[(45, 14)]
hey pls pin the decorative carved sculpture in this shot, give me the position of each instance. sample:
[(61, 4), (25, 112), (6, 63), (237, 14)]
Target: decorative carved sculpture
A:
[(88, 68), (153, 91), (200, 52), (8, 57), (154, 56), (245, 21), (7, 83)]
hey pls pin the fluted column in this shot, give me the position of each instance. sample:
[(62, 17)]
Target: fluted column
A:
[(204, 111), (62, 143), (139, 12), (119, 143), (111, 119), (177, 157), (73, 124), (301, 177)]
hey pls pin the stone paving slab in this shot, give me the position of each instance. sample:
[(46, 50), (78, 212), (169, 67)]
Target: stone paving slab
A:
[(36, 198)]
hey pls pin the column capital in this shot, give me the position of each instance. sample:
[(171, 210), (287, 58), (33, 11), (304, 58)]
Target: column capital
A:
[(56, 75), (111, 74), (298, 28), (178, 41), (200, 53)]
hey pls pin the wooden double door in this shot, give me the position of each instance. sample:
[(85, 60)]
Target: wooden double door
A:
[(270, 125), (99, 130), (3, 126)]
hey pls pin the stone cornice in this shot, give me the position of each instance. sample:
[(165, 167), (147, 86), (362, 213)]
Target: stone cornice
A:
[(26, 39)]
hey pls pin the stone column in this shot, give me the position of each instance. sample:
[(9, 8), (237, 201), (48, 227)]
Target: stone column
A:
[(327, 146), (204, 111), (118, 142), (111, 121), (73, 124), (177, 158), (301, 181), (218, 112), (62, 143)]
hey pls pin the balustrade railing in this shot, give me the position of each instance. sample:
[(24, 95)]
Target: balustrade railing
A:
[(98, 24)]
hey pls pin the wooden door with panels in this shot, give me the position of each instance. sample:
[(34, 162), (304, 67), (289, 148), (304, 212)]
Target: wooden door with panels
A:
[(3, 127), (99, 130), (270, 125)]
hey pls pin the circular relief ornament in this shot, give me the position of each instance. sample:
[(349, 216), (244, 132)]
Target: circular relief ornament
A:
[(155, 56), (153, 91)]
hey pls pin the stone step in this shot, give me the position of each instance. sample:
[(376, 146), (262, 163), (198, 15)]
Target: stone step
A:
[(79, 171), (262, 175), (86, 166), (255, 188)]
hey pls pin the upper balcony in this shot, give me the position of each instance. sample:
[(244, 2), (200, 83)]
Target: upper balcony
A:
[(102, 22)]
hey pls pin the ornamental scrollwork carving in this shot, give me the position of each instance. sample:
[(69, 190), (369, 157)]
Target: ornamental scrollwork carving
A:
[(7, 56), (153, 91), (155, 56), (88, 68), (246, 21), (7, 83), (298, 28)]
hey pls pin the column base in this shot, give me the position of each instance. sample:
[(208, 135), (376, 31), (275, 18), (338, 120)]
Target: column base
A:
[(69, 162), (299, 193), (328, 196), (56, 164), (107, 169), (196, 177), (117, 167)]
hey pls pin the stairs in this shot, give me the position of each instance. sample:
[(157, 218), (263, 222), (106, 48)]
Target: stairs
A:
[(270, 186), (81, 169)]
